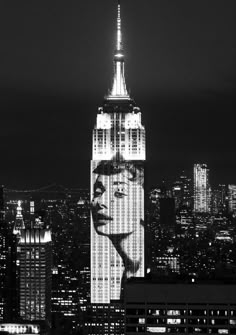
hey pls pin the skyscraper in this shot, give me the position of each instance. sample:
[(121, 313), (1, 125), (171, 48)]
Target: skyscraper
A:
[(35, 258), (202, 190), (232, 198), (3, 255), (8, 278), (117, 188)]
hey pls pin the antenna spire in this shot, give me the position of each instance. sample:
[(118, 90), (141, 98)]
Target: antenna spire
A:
[(119, 90)]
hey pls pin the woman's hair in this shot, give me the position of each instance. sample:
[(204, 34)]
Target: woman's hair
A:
[(111, 167)]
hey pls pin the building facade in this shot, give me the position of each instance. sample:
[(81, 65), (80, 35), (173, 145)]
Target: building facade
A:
[(177, 308), (232, 199), (35, 274), (3, 255), (202, 190), (117, 189)]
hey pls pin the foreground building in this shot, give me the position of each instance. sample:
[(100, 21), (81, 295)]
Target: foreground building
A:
[(117, 193), (177, 308), (117, 198), (35, 260)]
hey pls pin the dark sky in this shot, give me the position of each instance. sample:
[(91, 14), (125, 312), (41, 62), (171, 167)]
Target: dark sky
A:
[(56, 66)]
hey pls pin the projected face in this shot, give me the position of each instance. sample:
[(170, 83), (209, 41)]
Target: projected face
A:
[(115, 204)]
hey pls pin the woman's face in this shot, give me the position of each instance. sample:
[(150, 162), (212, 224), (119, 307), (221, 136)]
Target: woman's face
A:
[(115, 204)]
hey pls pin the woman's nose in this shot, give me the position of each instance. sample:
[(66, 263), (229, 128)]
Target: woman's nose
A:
[(98, 205)]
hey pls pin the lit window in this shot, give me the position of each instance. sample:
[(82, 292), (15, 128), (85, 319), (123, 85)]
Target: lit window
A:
[(173, 321), (141, 320), (173, 312), (156, 329), (223, 331)]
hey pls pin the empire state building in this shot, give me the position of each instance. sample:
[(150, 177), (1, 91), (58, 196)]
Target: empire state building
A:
[(117, 188)]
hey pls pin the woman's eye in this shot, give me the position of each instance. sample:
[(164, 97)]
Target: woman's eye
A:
[(97, 192), (120, 193), (98, 189)]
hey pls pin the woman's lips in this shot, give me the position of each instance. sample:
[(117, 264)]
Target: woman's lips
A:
[(102, 219)]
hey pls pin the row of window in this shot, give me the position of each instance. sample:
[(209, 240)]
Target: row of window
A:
[(190, 312), (179, 330), (195, 321)]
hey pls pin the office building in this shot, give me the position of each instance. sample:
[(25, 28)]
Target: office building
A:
[(180, 308), (3, 255), (232, 199), (35, 274), (8, 275), (202, 191), (167, 214), (182, 192), (20, 328), (117, 193), (219, 200)]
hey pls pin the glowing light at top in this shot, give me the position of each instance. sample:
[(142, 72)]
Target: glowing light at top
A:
[(119, 90), (118, 45), (19, 210), (19, 222)]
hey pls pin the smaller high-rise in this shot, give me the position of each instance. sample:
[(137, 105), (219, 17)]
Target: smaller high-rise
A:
[(202, 190), (35, 264), (8, 277), (232, 199), (3, 255)]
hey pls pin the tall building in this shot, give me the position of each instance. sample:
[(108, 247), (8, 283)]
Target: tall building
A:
[(167, 214), (8, 278), (232, 199), (181, 191), (117, 188), (219, 199), (3, 255), (202, 190), (34, 253)]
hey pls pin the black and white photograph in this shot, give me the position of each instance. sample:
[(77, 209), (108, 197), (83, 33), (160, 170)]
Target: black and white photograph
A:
[(118, 167)]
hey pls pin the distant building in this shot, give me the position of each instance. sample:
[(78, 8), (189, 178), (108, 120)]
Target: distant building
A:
[(168, 263), (185, 222), (177, 308), (232, 199), (202, 190), (182, 192), (218, 199), (167, 214), (35, 258), (187, 193)]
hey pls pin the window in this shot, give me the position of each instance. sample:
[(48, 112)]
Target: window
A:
[(173, 312), (173, 321), (156, 329), (141, 320)]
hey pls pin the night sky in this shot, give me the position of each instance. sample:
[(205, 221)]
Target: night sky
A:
[(56, 66)]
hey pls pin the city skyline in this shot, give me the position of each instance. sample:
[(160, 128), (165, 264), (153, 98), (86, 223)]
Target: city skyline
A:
[(161, 207), (184, 80)]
